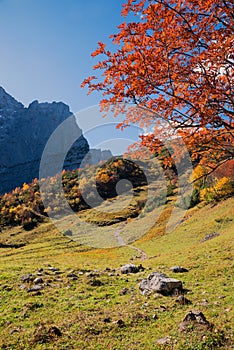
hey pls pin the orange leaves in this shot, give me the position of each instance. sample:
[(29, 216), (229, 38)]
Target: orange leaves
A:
[(99, 50), (88, 81), (175, 58)]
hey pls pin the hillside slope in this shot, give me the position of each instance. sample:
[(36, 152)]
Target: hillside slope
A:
[(88, 304)]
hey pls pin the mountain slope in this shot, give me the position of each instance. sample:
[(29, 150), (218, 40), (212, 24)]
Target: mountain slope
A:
[(94, 311), (24, 134)]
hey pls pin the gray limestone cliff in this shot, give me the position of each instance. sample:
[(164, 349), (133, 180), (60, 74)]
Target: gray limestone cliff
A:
[(24, 132)]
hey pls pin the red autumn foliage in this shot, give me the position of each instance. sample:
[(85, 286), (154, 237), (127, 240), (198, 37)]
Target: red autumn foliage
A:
[(174, 60)]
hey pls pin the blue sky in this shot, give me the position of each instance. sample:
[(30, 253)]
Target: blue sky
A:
[(46, 47)]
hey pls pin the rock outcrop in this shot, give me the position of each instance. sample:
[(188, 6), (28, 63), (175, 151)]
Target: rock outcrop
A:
[(97, 155), (160, 283)]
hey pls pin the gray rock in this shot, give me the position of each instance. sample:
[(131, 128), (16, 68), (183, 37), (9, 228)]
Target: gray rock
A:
[(210, 236), (124, 291), (23, 286), (160, 283), (131, 268), (163, 341), (53, 269), (35, 288), (38, 280), (178, 269), (27, 278)]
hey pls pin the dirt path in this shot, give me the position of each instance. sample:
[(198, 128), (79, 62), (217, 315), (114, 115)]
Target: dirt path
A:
[(143, 255), (120, 241)]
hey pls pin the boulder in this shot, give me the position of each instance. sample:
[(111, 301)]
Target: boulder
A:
[(194, 318), (131, 268), (35, 288), (178, 269), (38, 280), (160, 283)]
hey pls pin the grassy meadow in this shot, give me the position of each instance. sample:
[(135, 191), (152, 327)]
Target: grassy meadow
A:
[(86, 303)]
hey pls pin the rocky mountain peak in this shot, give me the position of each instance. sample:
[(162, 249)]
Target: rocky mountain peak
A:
[(24, 132), (8, 104)]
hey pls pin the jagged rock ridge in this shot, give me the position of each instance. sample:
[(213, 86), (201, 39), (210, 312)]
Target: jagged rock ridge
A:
[(24, 132)]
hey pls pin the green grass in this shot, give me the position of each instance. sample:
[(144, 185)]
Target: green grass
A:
[(78, 309)]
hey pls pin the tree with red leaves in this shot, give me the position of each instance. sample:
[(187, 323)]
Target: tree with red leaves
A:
[(175, 60)]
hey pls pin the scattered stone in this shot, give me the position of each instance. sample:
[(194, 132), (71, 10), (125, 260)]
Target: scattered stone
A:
[(210, 236), (68, 233), (163, 341), (182, 300), (124, 291), (55, 331), (131, 268), (204, 302), (107, 269), (195, 318), (222, 296), (72, 275), (177, 269), (38, 280), (23, 286), (53, 269), (36, 288), (27, 278), (7, 288), (120, 323), (107, 320), (139, 316), (96, 283), (60, 279), (160, 283), (92, 274), (155, 316), (161, 308), (33, 306), (111, 274)]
